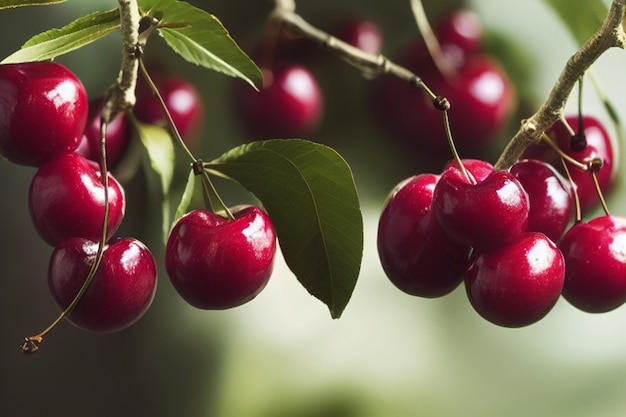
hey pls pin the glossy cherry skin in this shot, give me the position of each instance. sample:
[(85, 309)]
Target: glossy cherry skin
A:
[(595, 255), (118, 135), (182, 99), (483, 214), (417, 256), (599, 145), (361, 33), (66, 199), (215, 263), (290, 105), (121, 290), (516, 284), (43, 111), (550, 197), (478, 169), (460, 34)]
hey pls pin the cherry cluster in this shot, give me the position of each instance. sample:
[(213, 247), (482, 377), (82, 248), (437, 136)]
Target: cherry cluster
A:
[(515, 237), (105, 283)]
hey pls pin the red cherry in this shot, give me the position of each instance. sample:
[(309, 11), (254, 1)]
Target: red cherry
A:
[(599, 145), (516, 284), (485, 214), (121, 290), (595, 258), (290, 104), (216, 263), (550, 197), (182, 100), (43, 111), (460, 35), (477, 168), (117, 139), (481, 98), (66, 199), (416, 254), (362, 34)]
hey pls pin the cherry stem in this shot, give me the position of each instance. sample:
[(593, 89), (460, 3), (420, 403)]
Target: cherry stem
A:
[(432, 44), (610, 34), (594, 166), (563, 155), (31, 343), (579, 216)]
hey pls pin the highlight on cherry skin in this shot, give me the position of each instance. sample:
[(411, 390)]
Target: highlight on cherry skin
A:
[(66, 199), (121, 290), (49, 93), (215, 263)]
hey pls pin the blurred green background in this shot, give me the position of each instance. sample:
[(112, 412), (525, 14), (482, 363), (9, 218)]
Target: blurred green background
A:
[(281, 355)]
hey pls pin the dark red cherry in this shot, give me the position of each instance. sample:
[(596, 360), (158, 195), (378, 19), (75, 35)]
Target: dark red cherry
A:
[(481, 213), (516, 284), (182, 100), (216, 263), (460, 34), (121, 290), (361, 33), (66, 199), (417, 256), (290, 105), (550, 197), (595, 258), (43, 111), (118, 135)]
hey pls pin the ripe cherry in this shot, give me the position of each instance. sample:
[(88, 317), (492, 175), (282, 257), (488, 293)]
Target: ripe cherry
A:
[(43, 111), (481, 97), (460, 35), (598, 145), (361, 33), (516, 284), (486, 213), (118, 135), (417, 256), (121, 290), (217, 263), (595, 258), (550, 197), (66, 199), (290, 105), (182, 100)]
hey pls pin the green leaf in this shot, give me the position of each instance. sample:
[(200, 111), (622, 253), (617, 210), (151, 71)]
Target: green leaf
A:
[(309, 192), (55, 42), (7, 4), (161, 160), (201, 39), (582, 17)]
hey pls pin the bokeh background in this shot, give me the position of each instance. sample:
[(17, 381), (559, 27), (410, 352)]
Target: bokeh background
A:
[(281, 355)]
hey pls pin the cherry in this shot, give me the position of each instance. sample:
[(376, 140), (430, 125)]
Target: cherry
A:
[(481, 98), (118, 135), (460, 35), (598, 145), (595, 258), (362, 34), (516, 284), (217, 263), (43, 111), (550, 197), (290, 105), (66, 199), (486, 213), (122, 288), (416, 254), (182, 100)]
